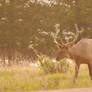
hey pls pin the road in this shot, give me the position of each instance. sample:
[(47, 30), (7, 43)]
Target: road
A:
[(69, 90)]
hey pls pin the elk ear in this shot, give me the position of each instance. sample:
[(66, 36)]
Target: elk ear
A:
[(62, 46), (70, 45)]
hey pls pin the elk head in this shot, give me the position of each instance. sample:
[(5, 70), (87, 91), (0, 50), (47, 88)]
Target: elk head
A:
[(64, 48)]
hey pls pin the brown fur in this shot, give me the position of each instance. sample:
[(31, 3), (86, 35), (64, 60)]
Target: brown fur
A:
[(81, 53)]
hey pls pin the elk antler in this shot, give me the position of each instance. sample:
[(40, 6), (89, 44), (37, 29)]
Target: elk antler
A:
[(75, 36), (70, 43), (57, 31)]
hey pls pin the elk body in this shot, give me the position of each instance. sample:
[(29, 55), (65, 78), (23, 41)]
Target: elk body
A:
[(81, 52)]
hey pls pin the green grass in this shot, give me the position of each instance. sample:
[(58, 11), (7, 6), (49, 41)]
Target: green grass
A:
[(26, 79)]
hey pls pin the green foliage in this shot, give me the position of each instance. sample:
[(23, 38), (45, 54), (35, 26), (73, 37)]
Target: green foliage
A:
[(26, 79), (52, 66)]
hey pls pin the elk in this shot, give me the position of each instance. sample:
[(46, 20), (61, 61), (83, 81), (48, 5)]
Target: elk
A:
[(80, 52)]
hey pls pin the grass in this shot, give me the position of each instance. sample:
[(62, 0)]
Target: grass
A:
[(26, 79)]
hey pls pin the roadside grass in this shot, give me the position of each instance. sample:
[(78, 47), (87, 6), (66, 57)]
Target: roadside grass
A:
[(26, 79)]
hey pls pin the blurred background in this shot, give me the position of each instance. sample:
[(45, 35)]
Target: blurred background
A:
[(27, 27)]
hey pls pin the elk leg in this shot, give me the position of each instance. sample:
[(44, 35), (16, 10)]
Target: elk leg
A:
[(90, 70), (77, 66)]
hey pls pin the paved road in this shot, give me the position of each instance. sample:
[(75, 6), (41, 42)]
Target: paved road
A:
[(70, 90)]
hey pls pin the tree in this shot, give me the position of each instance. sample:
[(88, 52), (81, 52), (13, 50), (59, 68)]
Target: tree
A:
[(27, 26)]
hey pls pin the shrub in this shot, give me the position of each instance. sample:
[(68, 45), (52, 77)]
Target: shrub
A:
[(52, 66)]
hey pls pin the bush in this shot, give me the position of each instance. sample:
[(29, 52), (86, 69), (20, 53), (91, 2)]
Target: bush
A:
[(52, 66)]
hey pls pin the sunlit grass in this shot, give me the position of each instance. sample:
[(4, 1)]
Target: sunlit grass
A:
[(25, 79)]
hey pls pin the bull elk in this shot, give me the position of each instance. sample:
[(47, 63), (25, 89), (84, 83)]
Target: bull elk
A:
[(80, 52)]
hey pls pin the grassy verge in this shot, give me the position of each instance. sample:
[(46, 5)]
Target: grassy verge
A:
[(26, 79)]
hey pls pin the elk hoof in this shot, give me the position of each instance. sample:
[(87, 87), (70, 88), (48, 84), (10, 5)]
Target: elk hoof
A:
[(74, 81)]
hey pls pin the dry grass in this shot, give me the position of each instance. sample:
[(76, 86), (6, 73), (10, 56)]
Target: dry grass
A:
[(26, 79)]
